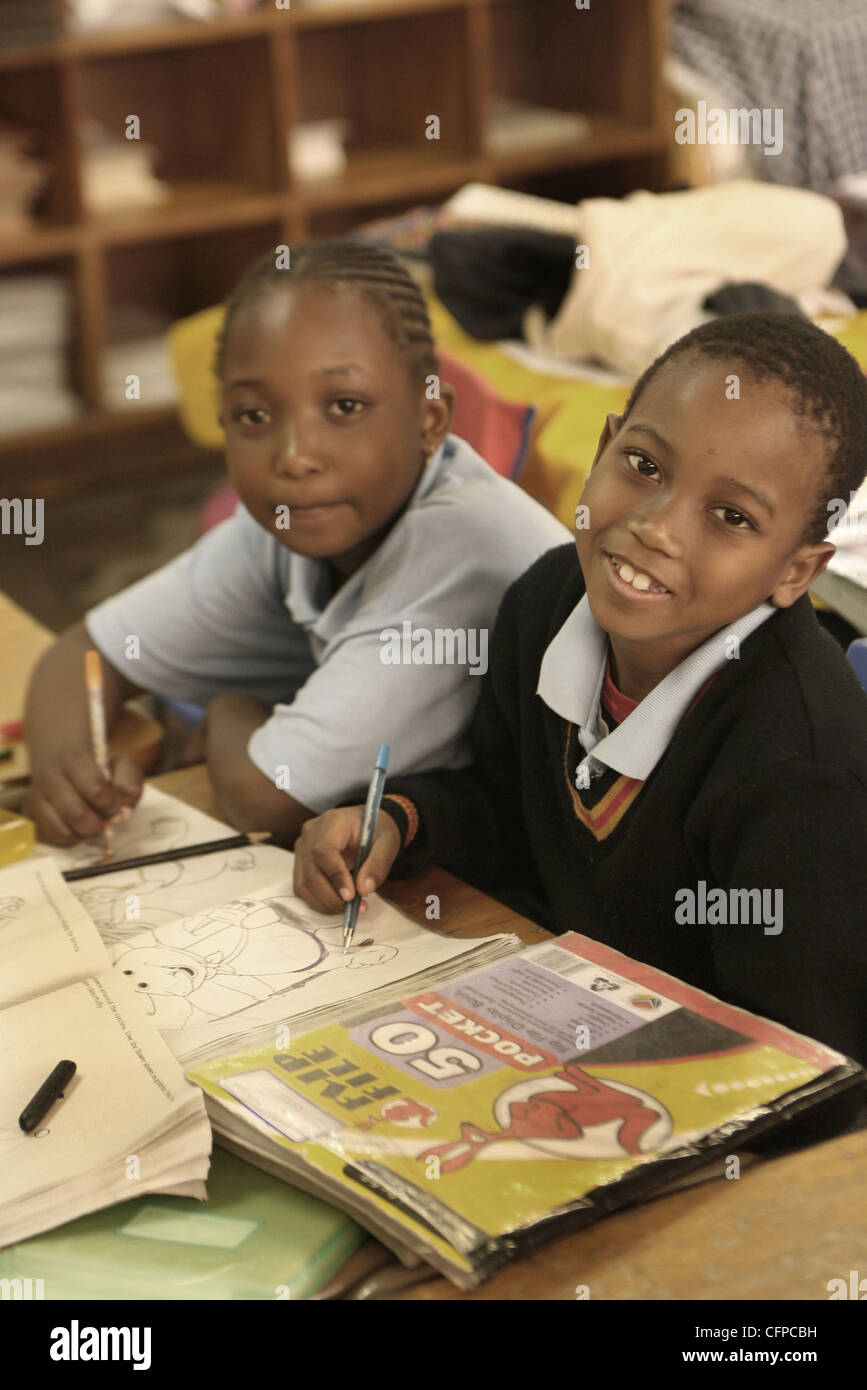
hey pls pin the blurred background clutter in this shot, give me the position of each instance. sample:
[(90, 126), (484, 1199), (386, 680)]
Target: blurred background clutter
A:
[(150, 150)]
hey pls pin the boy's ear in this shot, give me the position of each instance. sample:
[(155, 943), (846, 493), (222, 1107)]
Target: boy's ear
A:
[(436, 416), (609, 431), (806, 565)]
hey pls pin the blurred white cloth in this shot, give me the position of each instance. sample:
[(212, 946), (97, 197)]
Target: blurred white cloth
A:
[(850, 538), (653, 259), (104, 14)]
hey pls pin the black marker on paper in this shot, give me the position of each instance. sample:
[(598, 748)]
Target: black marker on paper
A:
[(50, 1091)]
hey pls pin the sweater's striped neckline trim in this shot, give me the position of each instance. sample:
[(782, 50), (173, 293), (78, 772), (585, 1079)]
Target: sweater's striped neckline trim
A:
[(606, 814)]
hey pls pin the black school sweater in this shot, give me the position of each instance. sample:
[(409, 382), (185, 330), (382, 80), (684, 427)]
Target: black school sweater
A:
[(764, 785)]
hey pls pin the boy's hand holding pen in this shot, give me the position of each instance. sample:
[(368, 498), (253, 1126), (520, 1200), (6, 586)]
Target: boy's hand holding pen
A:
[(331, 871), (365, 840)]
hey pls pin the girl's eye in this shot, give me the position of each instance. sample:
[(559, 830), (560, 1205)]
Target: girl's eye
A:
[(736, 520), (251, 415), (348, 401), (642, 459)]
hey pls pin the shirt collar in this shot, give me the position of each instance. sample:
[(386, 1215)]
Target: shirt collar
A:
[(570, 683), (308, 596)]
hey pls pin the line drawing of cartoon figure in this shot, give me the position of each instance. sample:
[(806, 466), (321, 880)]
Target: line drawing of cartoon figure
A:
[(152, 884), (224, 960), (553, 1113), (159, 833), (167, 978)]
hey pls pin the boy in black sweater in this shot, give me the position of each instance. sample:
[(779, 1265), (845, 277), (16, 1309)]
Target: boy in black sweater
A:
[(669, 754)]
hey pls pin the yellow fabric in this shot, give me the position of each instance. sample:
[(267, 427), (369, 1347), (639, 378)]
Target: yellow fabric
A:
[(193, 345), (571, 413)]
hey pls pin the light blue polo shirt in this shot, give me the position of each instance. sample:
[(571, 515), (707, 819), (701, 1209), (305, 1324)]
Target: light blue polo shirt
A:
[(239, 612), (572, 674)]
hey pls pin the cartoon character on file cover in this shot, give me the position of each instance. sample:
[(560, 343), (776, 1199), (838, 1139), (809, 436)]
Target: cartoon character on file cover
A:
[(570, 1115), (406, 1112)]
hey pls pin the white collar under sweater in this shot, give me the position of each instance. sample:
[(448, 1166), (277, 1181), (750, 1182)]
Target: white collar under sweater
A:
[(571, 678)]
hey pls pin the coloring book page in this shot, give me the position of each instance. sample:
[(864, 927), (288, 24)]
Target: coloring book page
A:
[(247, 967), (218, 949), (158, 896)]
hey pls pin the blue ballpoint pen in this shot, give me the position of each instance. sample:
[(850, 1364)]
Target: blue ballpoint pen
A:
[(371, 811)]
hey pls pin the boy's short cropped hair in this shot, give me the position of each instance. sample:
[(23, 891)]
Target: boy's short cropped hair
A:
[(829, 390)]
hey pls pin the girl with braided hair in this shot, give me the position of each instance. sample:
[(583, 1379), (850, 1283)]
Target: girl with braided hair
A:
[(360, 517)]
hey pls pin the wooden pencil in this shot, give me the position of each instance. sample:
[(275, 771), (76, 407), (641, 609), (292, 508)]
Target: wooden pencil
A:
[(98, 737), (256, 837)]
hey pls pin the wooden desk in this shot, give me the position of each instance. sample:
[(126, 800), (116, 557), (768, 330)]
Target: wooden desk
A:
[(782, 1230)]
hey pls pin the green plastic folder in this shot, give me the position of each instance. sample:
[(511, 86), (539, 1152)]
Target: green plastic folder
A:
[(255, 1238)]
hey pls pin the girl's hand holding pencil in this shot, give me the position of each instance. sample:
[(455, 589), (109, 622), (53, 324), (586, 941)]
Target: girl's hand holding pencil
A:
[(70, 799), (325, 856), (76, 787)]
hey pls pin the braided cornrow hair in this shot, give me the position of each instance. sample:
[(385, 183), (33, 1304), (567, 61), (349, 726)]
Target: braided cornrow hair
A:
[(349, 266), (827, 388)]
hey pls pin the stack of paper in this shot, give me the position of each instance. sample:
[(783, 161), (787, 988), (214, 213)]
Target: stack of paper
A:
[(478, 1118), (34, 336), (128, 1123)]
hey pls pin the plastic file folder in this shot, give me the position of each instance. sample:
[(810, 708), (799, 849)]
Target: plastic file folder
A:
[(255, 1238)]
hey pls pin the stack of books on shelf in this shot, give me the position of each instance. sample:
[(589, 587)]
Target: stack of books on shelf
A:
[(22, 177), (35, 314)]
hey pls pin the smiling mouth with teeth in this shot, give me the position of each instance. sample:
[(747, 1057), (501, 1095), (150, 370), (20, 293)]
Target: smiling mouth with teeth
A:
[(635, 578)]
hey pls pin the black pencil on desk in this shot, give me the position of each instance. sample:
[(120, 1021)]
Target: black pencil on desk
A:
[(256, 837)]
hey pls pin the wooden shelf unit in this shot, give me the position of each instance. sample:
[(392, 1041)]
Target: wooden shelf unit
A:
[(218, 100)]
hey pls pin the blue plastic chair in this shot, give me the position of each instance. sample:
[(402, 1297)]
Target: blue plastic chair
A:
[(857, 654)]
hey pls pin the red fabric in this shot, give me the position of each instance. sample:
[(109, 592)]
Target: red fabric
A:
[(618, 704), (219, 505), (498, 430)]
